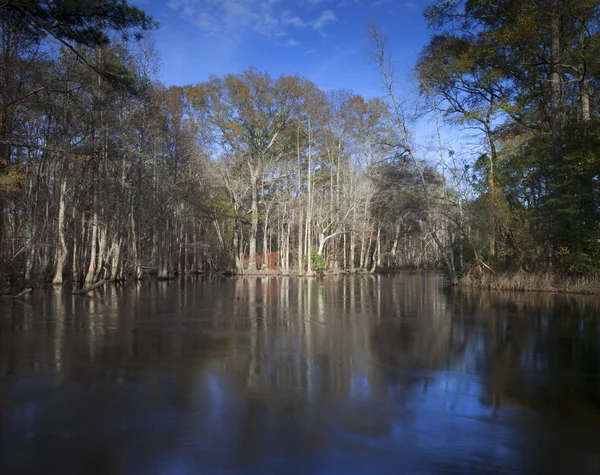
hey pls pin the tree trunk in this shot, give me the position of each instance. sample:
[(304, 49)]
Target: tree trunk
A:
[(115, 267), (585, 97), (165, 264), (61, 253), (352, 252), (378, 247), (307, 233), (265, 245), (376, 253), (556, 118), (287, 243), (237, 264), (103, 242), (321, 243), (240, 249), (363, 251), (91, 273), (309, 207), (253, 220), (300, 241), (395, 245), (584, 93), (77, 246)]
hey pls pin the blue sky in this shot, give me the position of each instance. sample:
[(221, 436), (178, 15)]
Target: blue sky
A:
[(323, 40)]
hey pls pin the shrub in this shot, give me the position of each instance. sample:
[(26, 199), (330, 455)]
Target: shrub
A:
[(317, 261)]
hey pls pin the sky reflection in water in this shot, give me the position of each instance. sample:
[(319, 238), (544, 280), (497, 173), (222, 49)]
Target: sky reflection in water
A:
[(371, 374)]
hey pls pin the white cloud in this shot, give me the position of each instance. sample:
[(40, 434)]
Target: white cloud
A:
[(326, 17), (287, 18), (291, 43), (233, 18)]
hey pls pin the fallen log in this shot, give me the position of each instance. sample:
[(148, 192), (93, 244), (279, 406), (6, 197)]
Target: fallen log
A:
[(23, 292), (85, 290)]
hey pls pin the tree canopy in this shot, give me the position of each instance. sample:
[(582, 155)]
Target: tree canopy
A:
[(526, 73)]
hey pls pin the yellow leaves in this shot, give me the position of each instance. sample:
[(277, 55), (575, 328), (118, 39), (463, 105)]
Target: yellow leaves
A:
[(292, 84), (232, 130), (173, 101), (197, 95), (10, 180), (563, 251)]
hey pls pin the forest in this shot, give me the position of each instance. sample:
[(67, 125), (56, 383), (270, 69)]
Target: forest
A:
[(105, 173)]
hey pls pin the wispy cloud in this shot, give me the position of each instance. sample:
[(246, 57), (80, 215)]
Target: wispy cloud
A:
[(291, 43), (287, 18), (326, 17), (232, 18)]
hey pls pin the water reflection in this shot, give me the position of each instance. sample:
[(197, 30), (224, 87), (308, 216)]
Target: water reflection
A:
[(370, 374)]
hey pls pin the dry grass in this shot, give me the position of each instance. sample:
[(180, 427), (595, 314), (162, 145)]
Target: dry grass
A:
[(545, 282)]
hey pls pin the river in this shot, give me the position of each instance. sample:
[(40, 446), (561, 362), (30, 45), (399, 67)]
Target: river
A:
[(371, 374)]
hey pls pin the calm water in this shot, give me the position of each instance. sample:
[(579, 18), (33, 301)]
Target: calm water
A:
[(365, 375)]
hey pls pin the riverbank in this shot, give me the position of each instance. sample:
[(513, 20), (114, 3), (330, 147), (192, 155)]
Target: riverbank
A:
[(530, 282), (519, 281), (13, 287), (295, 273)]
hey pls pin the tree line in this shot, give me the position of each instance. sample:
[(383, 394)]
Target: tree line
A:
[(107, 173)]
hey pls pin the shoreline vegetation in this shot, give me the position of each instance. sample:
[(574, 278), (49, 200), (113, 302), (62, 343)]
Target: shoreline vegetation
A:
[(545, 282), (533, 282), (505, 281)]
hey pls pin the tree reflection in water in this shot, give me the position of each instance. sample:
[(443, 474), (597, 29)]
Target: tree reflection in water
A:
[(367, 374)]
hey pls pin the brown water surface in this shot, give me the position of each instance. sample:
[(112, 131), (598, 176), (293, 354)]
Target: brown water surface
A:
[(341, 375)]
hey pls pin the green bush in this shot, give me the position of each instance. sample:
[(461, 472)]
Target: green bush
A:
[(317, 262), (577, 263)]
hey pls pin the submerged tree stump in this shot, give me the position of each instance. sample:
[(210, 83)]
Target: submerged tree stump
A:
[(23, 292), (85, 290)]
